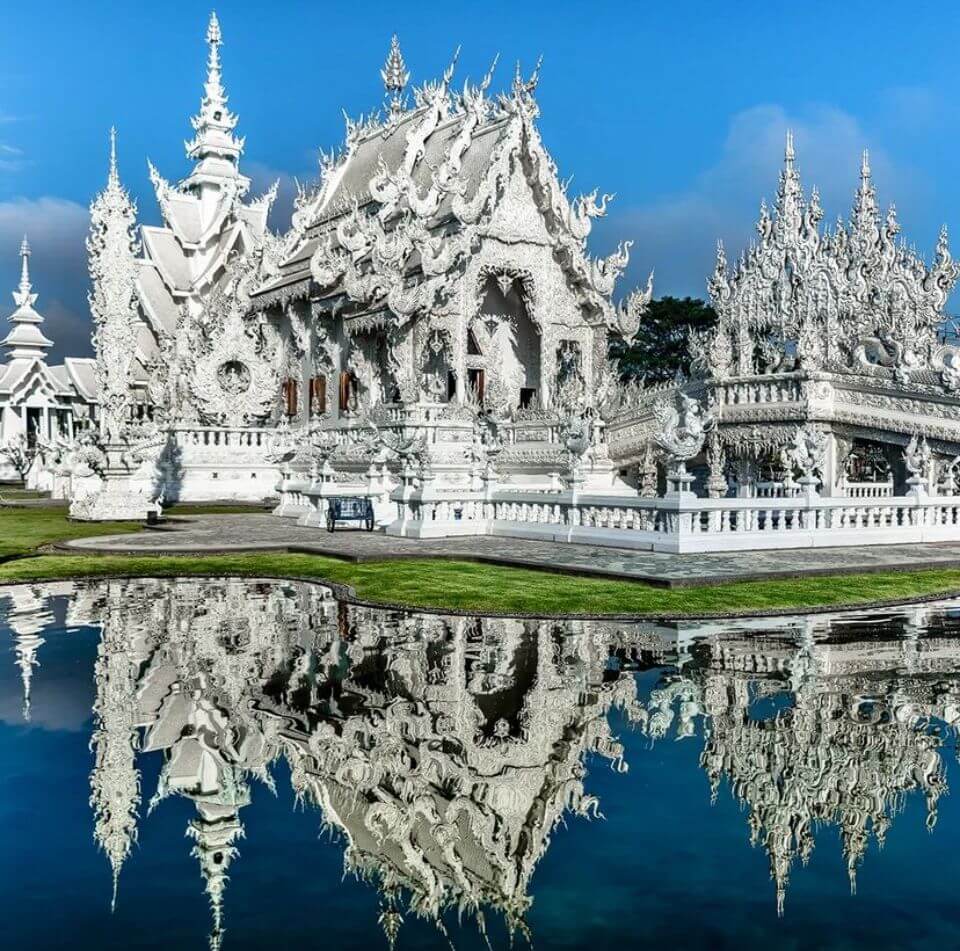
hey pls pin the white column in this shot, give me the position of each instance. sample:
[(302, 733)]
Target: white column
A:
[(830, 474)]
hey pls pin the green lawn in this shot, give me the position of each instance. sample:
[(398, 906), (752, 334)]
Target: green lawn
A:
[(450, 584), (24, 529)]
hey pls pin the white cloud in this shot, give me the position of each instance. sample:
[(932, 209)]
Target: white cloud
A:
[(677, 234)]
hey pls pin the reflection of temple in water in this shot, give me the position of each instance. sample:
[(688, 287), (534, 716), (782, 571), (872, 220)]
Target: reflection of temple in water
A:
[(822, 724), (444, 750)]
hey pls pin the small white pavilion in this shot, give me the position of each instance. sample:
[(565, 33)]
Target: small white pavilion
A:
[(39, 401)]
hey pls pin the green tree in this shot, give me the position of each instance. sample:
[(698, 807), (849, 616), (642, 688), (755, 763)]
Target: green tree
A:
[(659, 348)]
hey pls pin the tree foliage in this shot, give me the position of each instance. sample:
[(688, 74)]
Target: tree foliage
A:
[(659, 349)]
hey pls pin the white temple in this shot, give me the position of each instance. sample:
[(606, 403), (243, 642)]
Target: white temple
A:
[(432, 334), (39, 403)]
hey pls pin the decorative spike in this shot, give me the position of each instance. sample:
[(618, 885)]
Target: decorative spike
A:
[(25, 286), (485, 85), (789, 156), (214, 147), (395, 74), (113, 175)]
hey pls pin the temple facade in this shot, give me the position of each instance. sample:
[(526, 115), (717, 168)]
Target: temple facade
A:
[(432, 334)]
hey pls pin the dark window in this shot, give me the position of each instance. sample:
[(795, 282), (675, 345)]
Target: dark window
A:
[(475, 380)]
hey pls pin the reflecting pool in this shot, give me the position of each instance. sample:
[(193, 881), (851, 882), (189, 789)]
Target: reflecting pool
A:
[(255, 764)]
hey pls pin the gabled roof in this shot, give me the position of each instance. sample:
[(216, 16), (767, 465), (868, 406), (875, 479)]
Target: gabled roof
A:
[(16, 375), (166, 253), (159, 306), (82, 372), (376, 151)]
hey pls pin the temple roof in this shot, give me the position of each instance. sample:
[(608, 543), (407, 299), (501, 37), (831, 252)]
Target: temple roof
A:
[(17, 376), (367, 158), (205, 219)]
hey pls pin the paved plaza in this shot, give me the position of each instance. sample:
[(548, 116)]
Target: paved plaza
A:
[(207, 534)]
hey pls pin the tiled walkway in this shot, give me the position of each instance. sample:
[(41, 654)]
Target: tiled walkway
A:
[(257, 532)]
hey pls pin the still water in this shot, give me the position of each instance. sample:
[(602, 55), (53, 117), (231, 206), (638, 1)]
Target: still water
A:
[(239, 764)]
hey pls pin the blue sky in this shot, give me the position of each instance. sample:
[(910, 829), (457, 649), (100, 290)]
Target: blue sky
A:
[(680, 109)]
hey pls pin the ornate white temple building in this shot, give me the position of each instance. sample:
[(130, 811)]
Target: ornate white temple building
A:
[(432, 334), (39, 403)]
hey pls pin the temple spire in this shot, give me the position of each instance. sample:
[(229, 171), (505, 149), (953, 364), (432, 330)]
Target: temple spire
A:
[(26, 341), (112, 249), (789, 155), (25, 285), (865, 220), (113, 175), (215, 148), (395, 75)]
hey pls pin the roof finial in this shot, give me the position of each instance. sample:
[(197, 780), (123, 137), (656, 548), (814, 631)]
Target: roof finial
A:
[(213, 32), (789, 155), (25, 285), (865, 164), (394, 73), (215, 148), (113, 175)]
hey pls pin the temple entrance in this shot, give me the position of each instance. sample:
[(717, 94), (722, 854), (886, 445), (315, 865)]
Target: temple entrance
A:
[(509, 340)]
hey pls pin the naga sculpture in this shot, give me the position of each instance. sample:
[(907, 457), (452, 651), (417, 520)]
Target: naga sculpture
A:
[(681, 430)]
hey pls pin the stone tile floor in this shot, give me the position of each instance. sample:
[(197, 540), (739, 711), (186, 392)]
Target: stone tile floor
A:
[(261, 532)]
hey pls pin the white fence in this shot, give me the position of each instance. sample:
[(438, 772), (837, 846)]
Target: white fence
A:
[(679, 524)]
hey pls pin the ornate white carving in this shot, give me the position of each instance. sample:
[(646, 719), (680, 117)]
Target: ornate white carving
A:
[(112, 250)]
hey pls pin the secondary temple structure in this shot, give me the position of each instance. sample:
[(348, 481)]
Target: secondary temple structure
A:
[(432, 334), (39, 403)]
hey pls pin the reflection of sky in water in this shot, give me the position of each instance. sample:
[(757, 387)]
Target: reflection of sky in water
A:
[(436, 754)]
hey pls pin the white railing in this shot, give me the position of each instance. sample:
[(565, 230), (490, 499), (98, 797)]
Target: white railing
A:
[(773, 490), (215, 436), (867, 490), (678, 524), (772, 389)]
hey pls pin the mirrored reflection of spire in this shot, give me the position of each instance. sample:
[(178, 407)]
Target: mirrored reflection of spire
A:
[(26, 647), (215, 830), (115, 779), (27, 617)]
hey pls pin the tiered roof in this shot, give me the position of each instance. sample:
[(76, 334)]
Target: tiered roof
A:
[(416, 184), (205, 219), (26, 340), (27, 346)]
